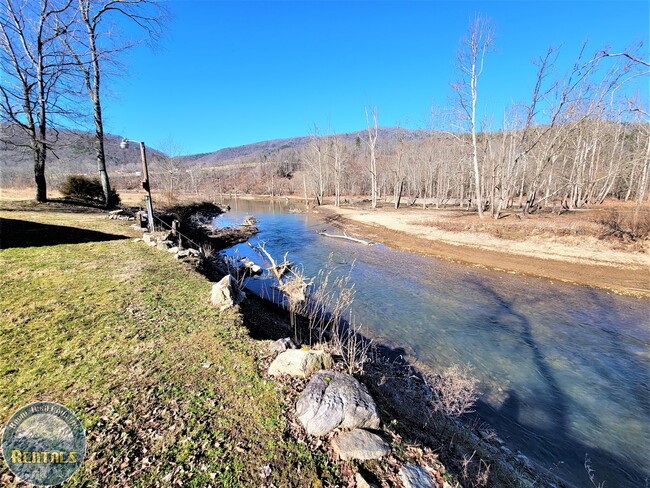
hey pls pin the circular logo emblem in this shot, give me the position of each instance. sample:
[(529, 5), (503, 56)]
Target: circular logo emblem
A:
[(44, 443)]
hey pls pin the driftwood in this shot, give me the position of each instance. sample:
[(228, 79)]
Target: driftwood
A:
[(349, 238)]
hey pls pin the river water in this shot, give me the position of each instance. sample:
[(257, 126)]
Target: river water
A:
[(564, 369)]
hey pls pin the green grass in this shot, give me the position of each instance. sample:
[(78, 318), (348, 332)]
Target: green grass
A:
[(167, 387)]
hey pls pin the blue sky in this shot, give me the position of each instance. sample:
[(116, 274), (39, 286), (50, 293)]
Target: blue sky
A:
[(234, 72)]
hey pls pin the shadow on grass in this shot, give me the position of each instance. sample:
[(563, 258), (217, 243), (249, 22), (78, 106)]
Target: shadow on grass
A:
[(22, 233), (63, 205)]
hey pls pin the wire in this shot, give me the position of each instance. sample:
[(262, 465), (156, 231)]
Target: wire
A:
[(179, 232)]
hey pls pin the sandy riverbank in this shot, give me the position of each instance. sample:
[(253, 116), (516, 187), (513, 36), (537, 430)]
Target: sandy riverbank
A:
[(580, 259)]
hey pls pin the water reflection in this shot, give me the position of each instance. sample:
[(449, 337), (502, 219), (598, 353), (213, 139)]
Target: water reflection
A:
[(564, 369)]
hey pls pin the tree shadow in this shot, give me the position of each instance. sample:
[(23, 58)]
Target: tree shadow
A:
[(63, 205), (555, 441), (23, 233), (396, 381)]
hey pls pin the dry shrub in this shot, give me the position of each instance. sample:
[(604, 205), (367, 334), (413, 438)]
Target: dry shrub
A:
[(454, 391), (324, 305), (87, 189), (352, 346), (627, 227), (475, 473)]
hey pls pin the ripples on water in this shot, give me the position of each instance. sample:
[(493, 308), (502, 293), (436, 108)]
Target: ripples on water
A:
[(564, 370)]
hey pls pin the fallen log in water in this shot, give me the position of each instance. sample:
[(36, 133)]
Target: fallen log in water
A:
[(349, 238)]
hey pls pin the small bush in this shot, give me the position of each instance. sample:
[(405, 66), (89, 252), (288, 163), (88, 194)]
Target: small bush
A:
[(625, 227), (87, 189), (454, 392)]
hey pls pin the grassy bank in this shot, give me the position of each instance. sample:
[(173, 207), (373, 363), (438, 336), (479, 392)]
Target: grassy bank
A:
[(167, 387)]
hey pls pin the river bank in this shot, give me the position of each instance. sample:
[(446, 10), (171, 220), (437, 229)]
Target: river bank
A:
[(535, 249), (123, 334), (551, 356)]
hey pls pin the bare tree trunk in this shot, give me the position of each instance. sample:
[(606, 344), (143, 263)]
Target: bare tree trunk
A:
[(643, 184), (471, 57), (372, 142), (33, 72)]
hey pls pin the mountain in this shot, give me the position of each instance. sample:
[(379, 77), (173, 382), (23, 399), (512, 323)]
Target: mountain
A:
[(387, 135), (73, 152)]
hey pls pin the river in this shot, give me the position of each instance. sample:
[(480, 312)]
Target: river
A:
[(564, 369)]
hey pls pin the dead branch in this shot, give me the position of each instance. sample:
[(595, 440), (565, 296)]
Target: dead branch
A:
[(278, 269)]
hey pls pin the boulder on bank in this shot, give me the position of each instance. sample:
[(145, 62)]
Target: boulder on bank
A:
[(360, 444), (225, 293), (301, 363), (415, 477), (282, 345), (361, 481), (333, 399), (250, 267)]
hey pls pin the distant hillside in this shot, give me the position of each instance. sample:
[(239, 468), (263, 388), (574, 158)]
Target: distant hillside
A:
[(268, 148), (73, 152), (228, 154)]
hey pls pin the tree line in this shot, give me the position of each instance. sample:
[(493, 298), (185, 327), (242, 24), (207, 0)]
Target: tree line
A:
[(581, 136), (53, 55)]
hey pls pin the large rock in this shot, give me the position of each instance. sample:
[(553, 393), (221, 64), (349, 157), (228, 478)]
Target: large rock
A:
[(164, 245), (415, 477), (360, 444), (225, 293), (361, 481), (300, 362), (281, 345), (332, 400)]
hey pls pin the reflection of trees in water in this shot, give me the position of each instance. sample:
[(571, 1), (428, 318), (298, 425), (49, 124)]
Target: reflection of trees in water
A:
[(504, 325)]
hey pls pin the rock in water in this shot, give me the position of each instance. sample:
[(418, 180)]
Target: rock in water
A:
[(332, 400), (225, 293), (360, 444), (300, 362), (415, 477)]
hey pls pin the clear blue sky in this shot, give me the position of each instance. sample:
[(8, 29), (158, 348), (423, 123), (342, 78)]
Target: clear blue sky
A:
[(234, 72)]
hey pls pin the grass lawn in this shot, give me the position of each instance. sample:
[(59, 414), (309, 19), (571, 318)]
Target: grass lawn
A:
[(167, 387)]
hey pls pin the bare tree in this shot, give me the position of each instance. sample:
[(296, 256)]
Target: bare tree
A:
[(315, 161), (372, 146), (338, 153), (471, 56), (33, 91), (94, 45)]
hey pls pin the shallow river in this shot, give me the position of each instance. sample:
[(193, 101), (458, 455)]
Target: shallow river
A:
[(564, 370)]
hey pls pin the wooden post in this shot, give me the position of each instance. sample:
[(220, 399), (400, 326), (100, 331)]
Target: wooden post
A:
[(175, 225), (147, 187)]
